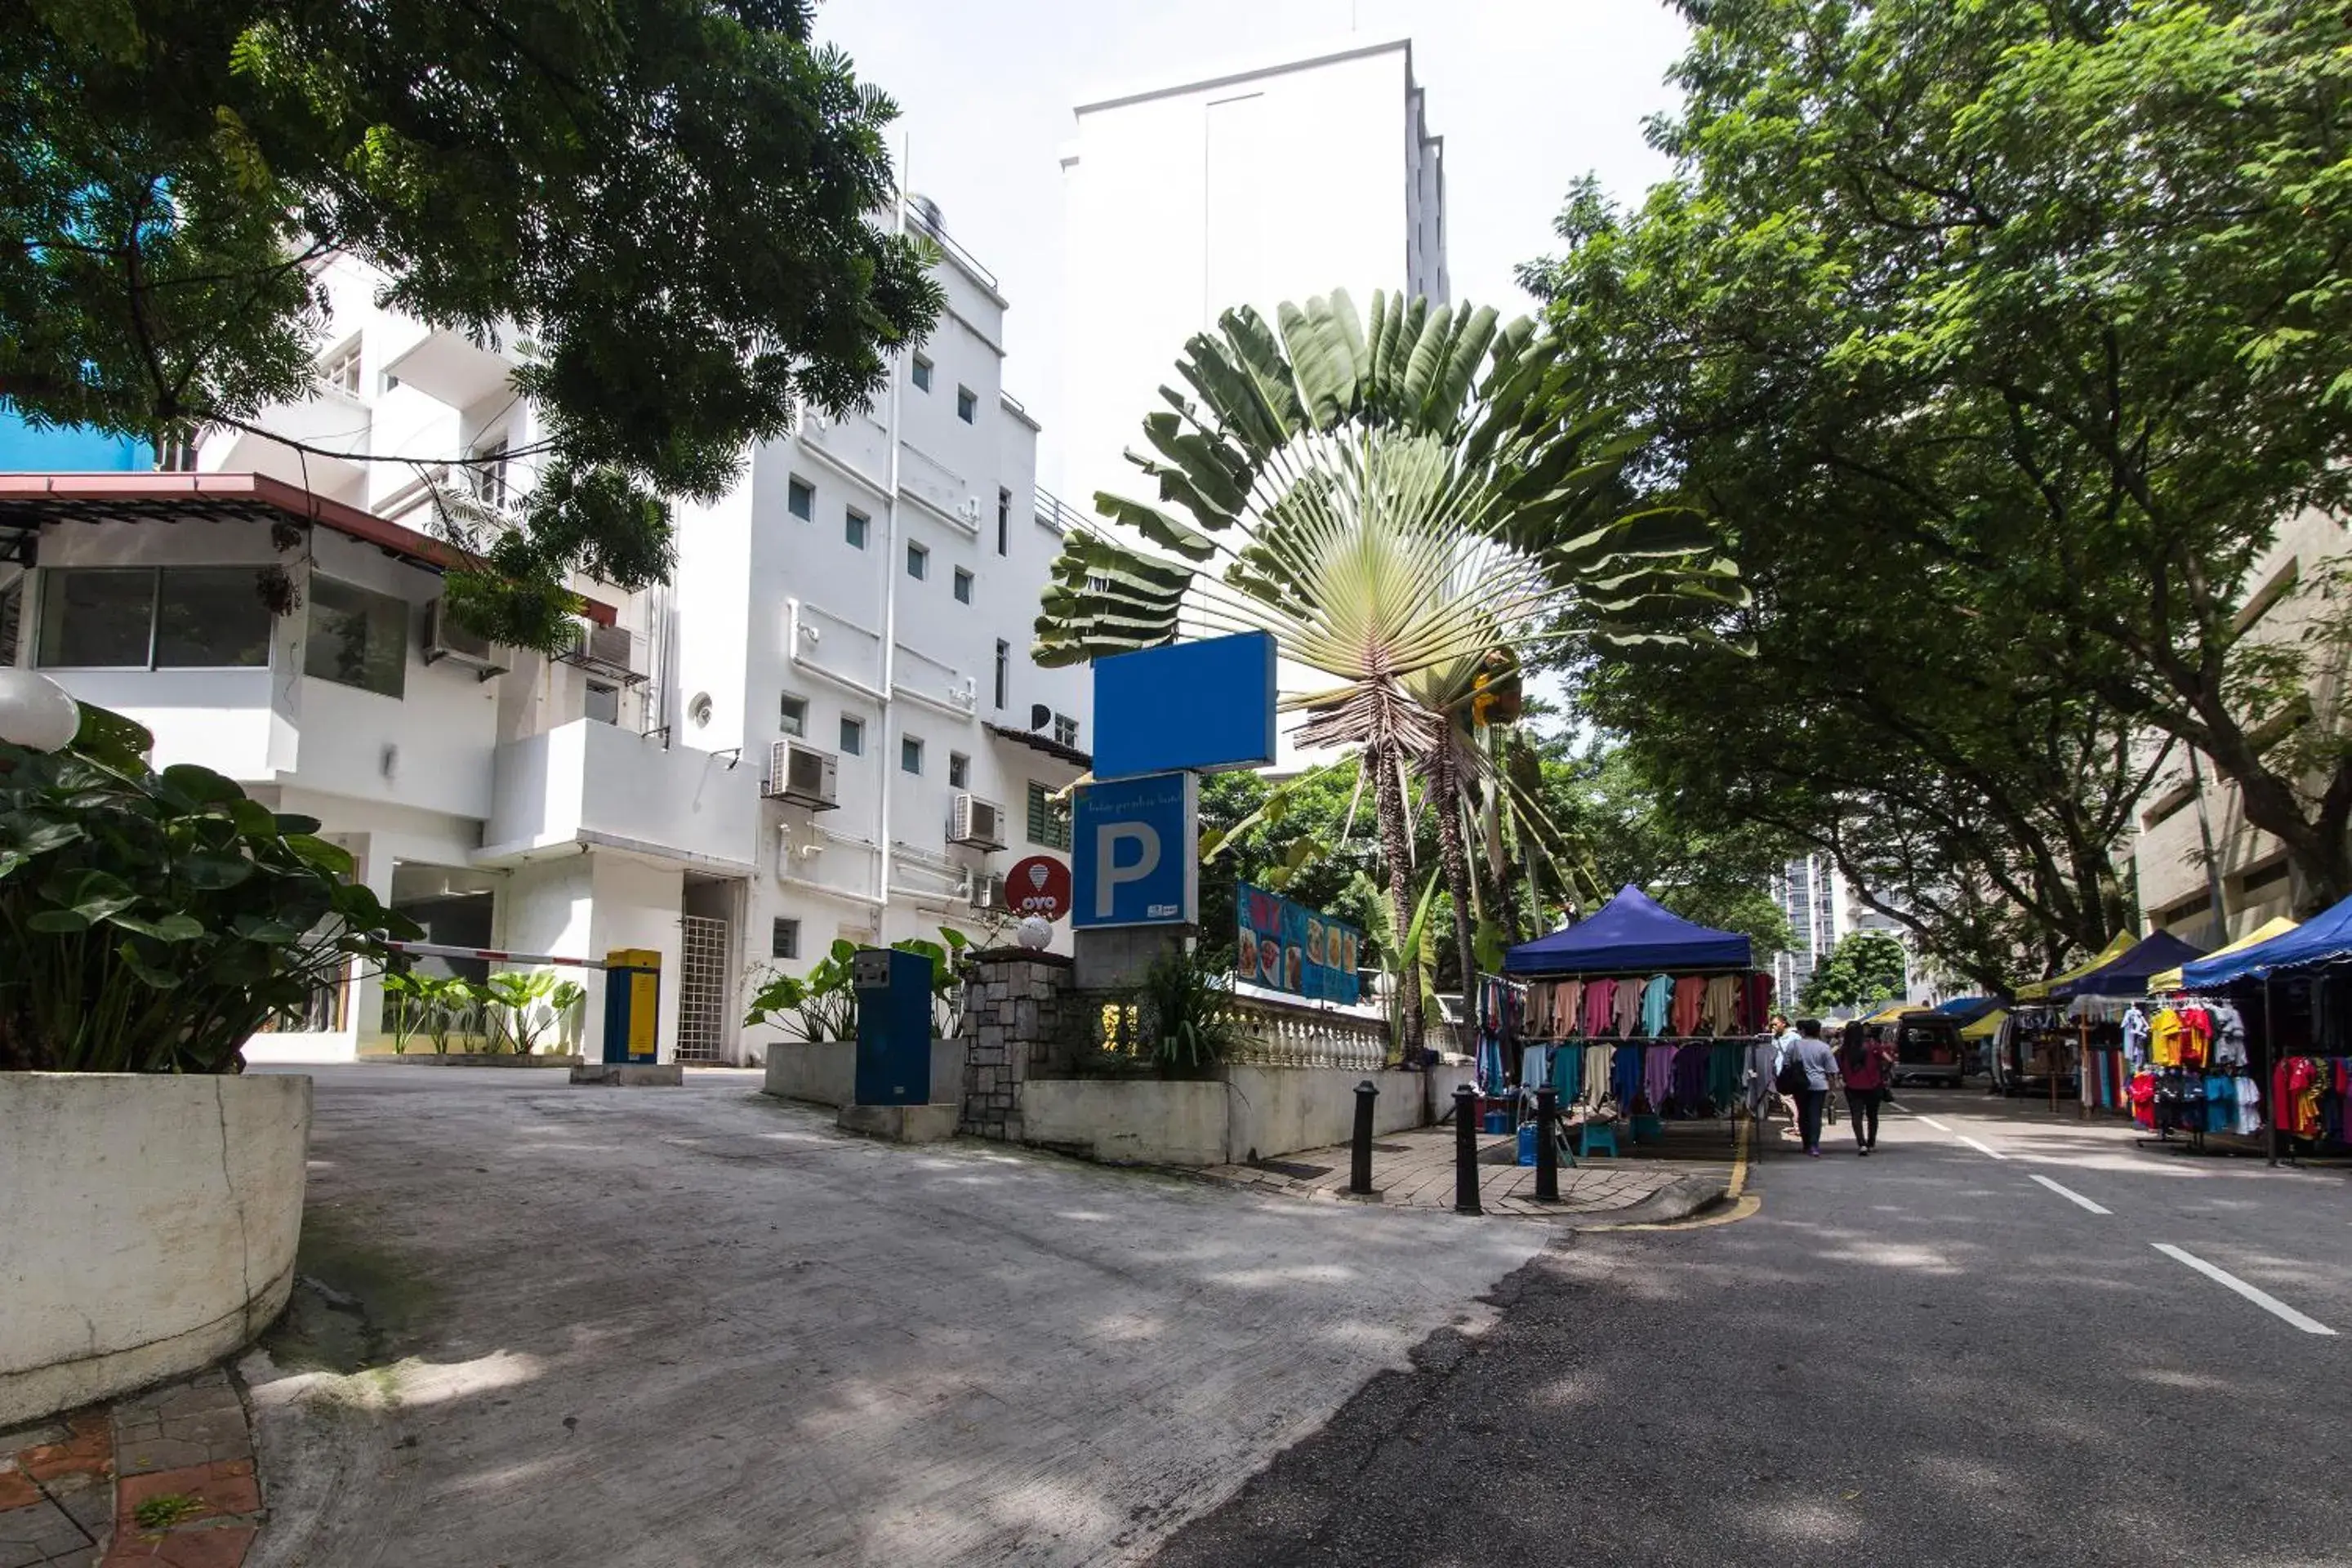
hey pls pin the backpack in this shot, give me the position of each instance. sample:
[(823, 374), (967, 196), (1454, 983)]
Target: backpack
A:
[(1792, 1079)]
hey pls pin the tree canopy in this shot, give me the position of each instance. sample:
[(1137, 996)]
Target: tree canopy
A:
[(2002, 338), (1865, 970), (665, 207)]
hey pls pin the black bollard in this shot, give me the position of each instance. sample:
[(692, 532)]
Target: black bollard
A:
[(1547, 1151), (1466, 1151), (1360, 1158)]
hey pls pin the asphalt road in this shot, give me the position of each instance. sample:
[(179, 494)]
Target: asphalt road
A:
[(1928, 1356)]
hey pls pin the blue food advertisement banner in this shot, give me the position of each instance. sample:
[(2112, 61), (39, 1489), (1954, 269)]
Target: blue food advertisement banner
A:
[(1286, 946)]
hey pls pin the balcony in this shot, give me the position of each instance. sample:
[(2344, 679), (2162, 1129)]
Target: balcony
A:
[(328, 422), (587, 783), (450, 367)]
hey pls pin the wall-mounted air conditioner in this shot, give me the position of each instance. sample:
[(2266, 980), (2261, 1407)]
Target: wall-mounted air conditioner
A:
[(977, 823), (445, 638), (803, 775), (986, 892)]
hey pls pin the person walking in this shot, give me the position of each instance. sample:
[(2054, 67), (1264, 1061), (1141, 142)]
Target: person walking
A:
[(1862, 1058), (1817, 1064)]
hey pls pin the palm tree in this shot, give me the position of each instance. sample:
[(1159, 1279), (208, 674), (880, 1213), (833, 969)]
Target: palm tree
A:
[(1404, 511)]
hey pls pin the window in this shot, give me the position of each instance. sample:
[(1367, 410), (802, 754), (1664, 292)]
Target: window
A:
[(791, 716), (488, 472), (357, 637), (12, 616), (178, 618), (799, 498), (918, 563), (852, 529), (1049, 819), (967, 405), (1004, 669), (1066, 730), (853, 736), (910, 754), (963, 586), (784, 938), (341, 371), (1004, 517), (922, 373), (958, 771), (604, 704)]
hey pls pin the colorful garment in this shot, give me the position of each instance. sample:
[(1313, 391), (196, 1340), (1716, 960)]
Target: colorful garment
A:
[(1657, 1004), (1629, 1007), (1690, 996)]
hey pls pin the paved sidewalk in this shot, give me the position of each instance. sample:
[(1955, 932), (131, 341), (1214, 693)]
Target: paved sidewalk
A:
[(1414, 1170)]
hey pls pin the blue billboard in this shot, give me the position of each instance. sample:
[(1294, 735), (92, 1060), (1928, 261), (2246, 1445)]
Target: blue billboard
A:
[(1203, 706), (1131, 855)]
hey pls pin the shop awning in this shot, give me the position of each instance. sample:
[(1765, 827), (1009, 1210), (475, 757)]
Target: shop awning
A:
[(1632, 931), (1891, 1014), (2325, 937), (2169, 979), (2129, 975), (1986, 1027), (2038, 990), (1966, 1009)]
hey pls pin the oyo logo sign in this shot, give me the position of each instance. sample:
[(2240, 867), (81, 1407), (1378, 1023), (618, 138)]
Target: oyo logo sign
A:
[(1038, 886)]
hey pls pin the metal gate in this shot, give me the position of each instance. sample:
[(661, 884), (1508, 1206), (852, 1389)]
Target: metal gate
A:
[(701, 989)]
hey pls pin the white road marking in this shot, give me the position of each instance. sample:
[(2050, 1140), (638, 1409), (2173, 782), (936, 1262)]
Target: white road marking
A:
[(2262, 1298), (1935, 1124), (1902, 1110), (2070, 1194), (1983, 1148)]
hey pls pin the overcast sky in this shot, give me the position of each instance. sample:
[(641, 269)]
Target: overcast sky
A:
[(1528, 94)]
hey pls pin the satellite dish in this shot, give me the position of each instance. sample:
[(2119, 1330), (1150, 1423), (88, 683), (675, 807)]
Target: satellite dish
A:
[(1040, 715)]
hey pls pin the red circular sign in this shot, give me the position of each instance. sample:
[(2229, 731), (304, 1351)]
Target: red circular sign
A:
[(1038, 886)]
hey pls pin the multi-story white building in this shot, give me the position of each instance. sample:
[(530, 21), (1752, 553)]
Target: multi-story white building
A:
[(1259, 182), (825, 725), (1823, 909)]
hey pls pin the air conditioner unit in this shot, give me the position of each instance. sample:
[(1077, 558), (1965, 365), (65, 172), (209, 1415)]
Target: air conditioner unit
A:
[(977, 823), (982, 891), (445, 638), (803, 775)]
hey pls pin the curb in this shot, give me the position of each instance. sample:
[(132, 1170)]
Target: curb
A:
[(1683, 1199)]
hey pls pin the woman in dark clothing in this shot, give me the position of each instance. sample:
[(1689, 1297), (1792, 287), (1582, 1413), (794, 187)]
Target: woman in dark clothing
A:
[(1862, 1057)]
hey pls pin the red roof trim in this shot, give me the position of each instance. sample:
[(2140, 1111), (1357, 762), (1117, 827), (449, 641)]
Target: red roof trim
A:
[(340, 516)]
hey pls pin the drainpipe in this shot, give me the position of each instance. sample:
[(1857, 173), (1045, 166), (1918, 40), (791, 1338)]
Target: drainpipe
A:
[(891, 565)]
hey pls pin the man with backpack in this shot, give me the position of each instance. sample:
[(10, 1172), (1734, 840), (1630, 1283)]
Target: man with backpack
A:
[(1806, 1074)]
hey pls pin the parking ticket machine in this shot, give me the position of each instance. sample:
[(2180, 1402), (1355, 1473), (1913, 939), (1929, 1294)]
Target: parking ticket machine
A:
[(894, 1027)]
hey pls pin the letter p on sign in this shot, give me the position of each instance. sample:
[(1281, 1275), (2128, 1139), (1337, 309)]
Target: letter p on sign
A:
[(1117, 871)]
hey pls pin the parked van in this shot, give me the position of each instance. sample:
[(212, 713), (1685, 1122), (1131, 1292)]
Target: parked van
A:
[(1929, 1048)]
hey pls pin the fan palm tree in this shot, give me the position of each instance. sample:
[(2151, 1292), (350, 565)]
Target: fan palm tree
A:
[(1405, 511)]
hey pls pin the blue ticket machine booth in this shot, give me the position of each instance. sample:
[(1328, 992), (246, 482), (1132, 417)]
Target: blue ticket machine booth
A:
[(894, 1027)]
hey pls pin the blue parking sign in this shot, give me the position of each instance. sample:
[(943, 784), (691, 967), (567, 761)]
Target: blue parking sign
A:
[(1133, 859)]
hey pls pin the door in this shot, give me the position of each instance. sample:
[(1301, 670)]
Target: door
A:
[(702, 989)]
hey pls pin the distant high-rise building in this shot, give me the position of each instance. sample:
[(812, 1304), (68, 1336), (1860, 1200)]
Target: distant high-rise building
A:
[(1823, 909)]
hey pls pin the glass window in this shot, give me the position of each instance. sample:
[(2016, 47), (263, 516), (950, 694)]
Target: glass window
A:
[(211, 618), (604, 704), (489, 472), (341, 371), (799, 498), (784, 937), (1004, 517), (922, 373), (793, 717), (97, 619), (1004, 669), (918, 563), (910, 754), (1049, 819), (963, 586), (958, 771), (967, 405), (853, 736), (1066, 730), (357, 637), (854, 525)]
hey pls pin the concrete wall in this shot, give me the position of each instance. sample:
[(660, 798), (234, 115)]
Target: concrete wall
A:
[(1272, 1112), (152, 1227), (824, 1072), (1141, 1122)]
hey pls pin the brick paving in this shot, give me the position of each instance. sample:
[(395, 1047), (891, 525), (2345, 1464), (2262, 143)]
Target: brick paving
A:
[(1414, 1170), (70, 1488)]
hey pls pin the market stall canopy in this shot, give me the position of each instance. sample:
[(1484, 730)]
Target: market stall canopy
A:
[(2169, 979), (1986, 1027), (1632, 931), (1966, 1009), (2036, 990), (1891, 1014), (2128, 975), (2325, 937)]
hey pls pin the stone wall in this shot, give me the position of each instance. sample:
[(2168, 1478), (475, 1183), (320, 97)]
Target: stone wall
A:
[(1011, 1011)]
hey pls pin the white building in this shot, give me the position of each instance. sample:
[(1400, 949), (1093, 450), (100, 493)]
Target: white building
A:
[(1823, 909), (1253, 183), (827, 724)]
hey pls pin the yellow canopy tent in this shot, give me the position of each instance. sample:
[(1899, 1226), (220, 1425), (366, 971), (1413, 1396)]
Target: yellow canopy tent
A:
[(1986, 1027), (1892, 1014), (2169, 979), (2035, 990)]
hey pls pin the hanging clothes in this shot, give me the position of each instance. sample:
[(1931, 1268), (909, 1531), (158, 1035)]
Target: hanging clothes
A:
[(1718, 1013), (1600, 1005), (1597, 1062), (1690, 996), (1629, 1007), (1657, 1002), (2135, 1035)]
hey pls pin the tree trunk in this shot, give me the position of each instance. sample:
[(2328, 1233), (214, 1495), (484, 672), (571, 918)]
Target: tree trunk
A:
[(1453, 855), (1396, 846)]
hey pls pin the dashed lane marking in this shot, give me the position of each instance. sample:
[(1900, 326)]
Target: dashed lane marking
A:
[(2262, 1298), (2070, 1194), (1981, 1148), (1935, 1124)]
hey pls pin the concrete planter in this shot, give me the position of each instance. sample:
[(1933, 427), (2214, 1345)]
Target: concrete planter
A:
[(1128, 1122), (485, 1059), (824, 1072), (150, 1228)]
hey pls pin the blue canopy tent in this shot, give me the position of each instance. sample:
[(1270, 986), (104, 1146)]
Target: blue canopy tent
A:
[(1967, 1010), (2127, 975), (1632, 931), (2324, 938)]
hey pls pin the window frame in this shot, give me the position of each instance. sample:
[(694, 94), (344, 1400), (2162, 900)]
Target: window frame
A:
[(789, 722), (1047, 821), (310, 604), (910, 749), (960, 584), (958, 771), (796, 487), (919, 562), (344, 369), (852, 735), (1003, 673), (1004, 517), (784, 937), (920, 374), (1065, 730), (855, 527), (967, 405), (156, 577)]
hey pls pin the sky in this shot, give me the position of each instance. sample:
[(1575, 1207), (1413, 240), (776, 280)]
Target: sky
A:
[(1528, 94)]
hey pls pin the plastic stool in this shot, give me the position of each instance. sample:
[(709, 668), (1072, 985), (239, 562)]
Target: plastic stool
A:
[(1596, 1135)]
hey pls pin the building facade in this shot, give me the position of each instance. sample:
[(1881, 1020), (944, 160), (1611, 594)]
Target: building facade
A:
[(825, 725), (1824, 909)]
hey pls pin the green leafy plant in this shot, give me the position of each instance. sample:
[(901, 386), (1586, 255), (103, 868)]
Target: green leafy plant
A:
[(822, 1003), (521, 1008), (1181, 1014), (563, 1004), (150, 922), (168, 1508), (408, 993)]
